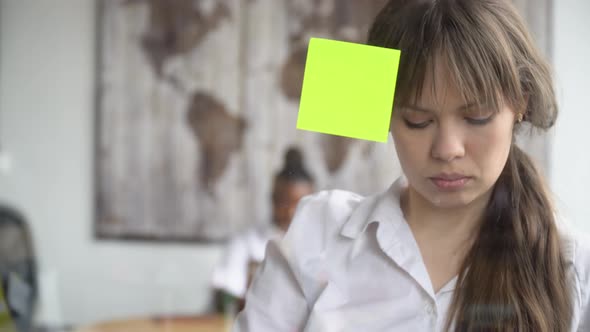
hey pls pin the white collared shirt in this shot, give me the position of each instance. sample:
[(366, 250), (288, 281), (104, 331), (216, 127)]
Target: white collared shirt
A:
[(350, 263)]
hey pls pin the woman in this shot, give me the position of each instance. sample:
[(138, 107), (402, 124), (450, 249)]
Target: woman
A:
[(243, 254), (467, 239)]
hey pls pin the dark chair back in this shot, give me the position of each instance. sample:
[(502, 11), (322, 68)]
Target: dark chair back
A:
[(18, 267)]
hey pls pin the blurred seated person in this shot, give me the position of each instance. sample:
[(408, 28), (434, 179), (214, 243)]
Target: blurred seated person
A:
[(245, 251)]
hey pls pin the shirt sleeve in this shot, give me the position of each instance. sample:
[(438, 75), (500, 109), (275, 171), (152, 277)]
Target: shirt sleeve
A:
[(231, 274), (274, 302), (581, 303)]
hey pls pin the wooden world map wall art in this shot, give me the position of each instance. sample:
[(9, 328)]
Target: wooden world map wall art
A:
[(197, 102)]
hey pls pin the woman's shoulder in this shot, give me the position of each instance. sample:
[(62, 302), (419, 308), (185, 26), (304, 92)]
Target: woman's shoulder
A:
[(319, 218), (576, 250), (325, 208), (334, 206)]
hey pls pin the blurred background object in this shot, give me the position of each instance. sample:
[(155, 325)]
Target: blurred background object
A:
[(245, 251), (18, 268)]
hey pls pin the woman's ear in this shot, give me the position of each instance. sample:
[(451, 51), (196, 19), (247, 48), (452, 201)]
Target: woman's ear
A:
[(520, 112)]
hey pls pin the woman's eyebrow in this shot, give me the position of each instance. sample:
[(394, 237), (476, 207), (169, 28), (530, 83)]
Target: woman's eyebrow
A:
[(463, 108), (418, 109)]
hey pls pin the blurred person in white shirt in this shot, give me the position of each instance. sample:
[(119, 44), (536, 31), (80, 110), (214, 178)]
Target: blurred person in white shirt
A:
[(245, 251)]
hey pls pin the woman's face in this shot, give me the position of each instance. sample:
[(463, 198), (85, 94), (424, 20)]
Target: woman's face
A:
[(285, 197), (451, 151)]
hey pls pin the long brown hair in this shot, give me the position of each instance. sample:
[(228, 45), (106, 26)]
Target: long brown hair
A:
[(513, 278)]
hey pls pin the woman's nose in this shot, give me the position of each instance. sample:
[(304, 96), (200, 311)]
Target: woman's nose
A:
[(448, 144)]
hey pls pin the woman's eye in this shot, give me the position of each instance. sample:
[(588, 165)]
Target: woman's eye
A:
[(479, 121), (479, 115), (417, 125)]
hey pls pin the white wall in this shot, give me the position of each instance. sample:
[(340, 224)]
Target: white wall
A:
[(47, 55), (570, 170)]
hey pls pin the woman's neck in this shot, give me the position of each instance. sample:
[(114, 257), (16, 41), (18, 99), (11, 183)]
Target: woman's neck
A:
[(449, 229)]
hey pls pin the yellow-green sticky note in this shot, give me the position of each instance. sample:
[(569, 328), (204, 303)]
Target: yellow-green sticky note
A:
[(348, 89)]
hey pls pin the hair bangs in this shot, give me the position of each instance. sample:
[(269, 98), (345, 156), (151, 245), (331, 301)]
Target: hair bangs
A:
[(475, 53)]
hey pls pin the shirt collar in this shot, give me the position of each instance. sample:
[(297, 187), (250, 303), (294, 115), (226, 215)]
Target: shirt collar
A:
[(393, 233), (381, 208), (385, 208)]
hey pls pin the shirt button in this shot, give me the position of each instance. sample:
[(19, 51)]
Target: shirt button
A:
[(429, 309)]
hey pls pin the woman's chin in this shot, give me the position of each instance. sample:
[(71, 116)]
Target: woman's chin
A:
[(449, 200)]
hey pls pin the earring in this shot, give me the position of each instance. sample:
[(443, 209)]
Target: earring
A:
[(519, 117)]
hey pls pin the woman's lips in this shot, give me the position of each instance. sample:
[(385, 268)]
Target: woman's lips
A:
[(450, 184)]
